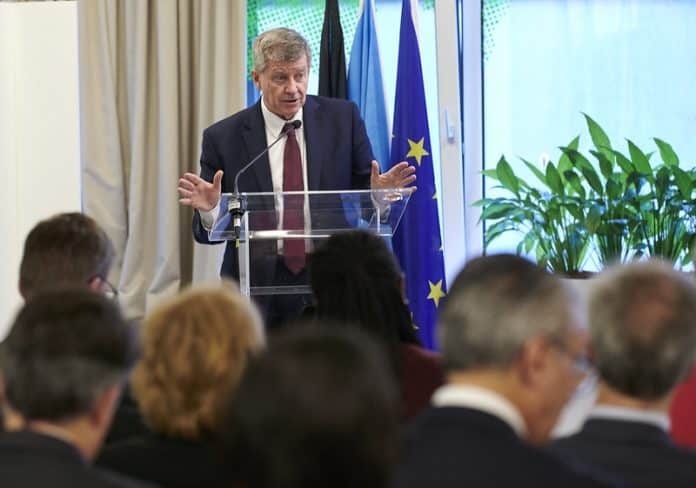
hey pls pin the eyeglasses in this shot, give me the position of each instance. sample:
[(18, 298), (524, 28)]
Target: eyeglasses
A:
[(581, 363), (109, 290)]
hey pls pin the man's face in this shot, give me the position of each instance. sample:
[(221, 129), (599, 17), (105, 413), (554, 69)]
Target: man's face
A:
[(566, 366), (284, 86)]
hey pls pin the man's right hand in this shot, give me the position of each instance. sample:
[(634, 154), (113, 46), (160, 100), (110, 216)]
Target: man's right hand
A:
[(198, 193)]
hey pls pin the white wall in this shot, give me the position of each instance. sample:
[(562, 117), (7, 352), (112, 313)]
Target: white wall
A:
[(39, 128)]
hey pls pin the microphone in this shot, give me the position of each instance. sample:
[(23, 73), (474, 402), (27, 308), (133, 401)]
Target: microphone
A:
[(237, 205), (294, 125)]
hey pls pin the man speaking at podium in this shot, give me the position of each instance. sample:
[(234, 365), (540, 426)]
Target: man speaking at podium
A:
[(320, 144)]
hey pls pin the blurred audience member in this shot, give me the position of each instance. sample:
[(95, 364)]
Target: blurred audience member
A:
[(66, 249), (319, 409), (514, 352), (71, 249), (195, 349), (356, 280), (643, 327), (64, 361)]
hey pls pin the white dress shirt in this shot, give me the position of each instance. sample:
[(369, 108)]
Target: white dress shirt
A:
[(653, 417), (480, 399)]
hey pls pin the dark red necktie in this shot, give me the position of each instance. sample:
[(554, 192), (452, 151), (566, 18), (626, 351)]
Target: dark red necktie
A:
[(293, 207)]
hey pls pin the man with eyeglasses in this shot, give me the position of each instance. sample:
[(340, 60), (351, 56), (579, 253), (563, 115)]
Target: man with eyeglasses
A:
[(513, 348), (643, 336), (68, 249), (71, 250)]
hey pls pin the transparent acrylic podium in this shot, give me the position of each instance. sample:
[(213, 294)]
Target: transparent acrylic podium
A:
[(260, 236)]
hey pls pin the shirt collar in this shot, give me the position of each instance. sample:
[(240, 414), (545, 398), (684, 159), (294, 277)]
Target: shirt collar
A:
[(653, 417), (275, 124), (480, 399)]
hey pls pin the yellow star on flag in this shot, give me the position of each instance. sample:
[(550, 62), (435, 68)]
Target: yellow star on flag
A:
[(417, 150), (435, 292)]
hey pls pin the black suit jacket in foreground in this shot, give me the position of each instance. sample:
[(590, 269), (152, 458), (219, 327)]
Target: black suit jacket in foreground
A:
[(640, 453), (339, 155), (29, 459), (462, 447), (174, 463)]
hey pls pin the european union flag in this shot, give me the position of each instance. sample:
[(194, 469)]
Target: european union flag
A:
[(417, 241), (365, 86)]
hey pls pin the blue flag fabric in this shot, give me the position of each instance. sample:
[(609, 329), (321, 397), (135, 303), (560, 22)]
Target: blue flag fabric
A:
[(417, 241), (365, 86)]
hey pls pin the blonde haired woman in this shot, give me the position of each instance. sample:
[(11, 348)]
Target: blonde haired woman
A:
[(195, 349)]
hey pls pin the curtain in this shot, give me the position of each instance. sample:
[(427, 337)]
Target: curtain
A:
[(152, 76)]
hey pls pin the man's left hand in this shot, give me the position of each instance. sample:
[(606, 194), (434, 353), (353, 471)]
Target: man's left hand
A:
[(399, 176)]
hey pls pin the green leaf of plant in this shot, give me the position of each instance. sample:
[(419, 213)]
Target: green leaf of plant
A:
[(498, 211), (625, 163), (640, 161), (553, 179), (684, 182), (563, 162), (599, 137), (537, 172), (605, 165), (490, 173), (661, 184), (507, 177), (594, 218), (669, 157), (574, 181), (613, 189), (592, 179)]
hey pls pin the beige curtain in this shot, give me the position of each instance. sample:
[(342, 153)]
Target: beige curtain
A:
[(153, 75)]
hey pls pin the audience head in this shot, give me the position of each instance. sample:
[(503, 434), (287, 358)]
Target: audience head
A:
[(64, 362), (195, 348), (318, 409), (66, 249), (356, 279), (643, 326), (511, 326)]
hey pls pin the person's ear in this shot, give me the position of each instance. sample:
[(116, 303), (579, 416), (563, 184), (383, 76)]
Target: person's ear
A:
[(96, 284), (105, 406), (255, 77), (532, 362)]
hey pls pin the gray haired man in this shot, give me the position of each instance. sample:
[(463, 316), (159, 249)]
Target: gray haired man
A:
[(513, 351), (643, 338), (64, 364)]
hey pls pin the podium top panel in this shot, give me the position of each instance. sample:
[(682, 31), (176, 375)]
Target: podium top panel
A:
[(316, 214)]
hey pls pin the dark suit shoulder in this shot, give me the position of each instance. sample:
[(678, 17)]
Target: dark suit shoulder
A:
[(175, 463), (337, 103), (31, 459), (638, 452), (453, 446)]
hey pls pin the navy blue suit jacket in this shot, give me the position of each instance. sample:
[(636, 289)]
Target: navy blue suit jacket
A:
[(455, 447), (642, 454), (339, 155)]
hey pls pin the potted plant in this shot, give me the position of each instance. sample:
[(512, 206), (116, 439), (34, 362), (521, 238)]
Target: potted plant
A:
[(618, 208)]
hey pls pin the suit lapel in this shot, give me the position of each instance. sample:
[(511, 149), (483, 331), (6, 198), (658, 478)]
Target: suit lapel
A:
[(314, 133), (255, 139)]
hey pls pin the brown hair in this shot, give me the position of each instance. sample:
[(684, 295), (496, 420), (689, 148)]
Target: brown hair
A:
[(66, 249), (195, 349)]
